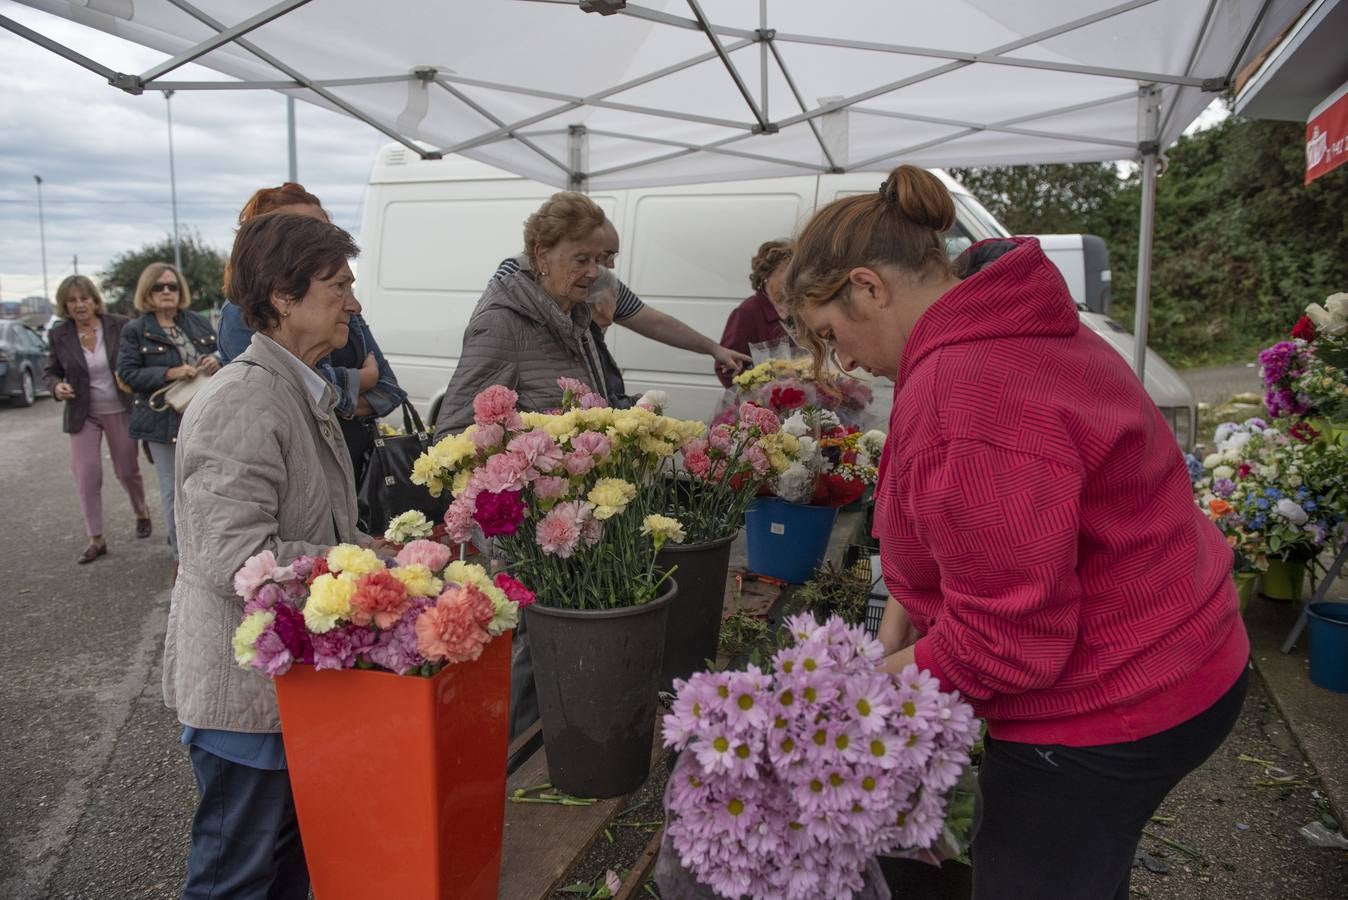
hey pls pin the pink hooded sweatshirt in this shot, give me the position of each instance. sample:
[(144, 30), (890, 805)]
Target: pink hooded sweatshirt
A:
[(1036, 520)]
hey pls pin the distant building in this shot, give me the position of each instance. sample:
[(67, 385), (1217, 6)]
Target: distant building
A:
[(34, 311)]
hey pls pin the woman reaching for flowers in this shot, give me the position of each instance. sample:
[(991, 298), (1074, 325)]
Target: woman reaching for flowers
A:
[(1037, 532)]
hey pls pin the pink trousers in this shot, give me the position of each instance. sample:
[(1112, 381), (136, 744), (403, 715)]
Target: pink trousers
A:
[(86, 462)]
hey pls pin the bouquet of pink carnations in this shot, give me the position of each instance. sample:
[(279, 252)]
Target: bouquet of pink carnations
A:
[(347, 609), (571, 498), (713, 478), (791, 780)]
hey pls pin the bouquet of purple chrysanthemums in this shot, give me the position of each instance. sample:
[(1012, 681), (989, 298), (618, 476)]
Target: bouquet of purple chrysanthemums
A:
[(793, 779)]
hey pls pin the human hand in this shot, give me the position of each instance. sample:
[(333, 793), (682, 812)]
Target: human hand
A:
[(209, 365), (369, 373), (63, 391), (897, 631), (730, 360), (178, 373)]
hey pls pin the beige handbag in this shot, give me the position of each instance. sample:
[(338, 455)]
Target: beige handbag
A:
[(176, 394)]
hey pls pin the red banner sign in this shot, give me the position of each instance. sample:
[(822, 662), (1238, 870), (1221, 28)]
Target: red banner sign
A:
[(1327, 135)]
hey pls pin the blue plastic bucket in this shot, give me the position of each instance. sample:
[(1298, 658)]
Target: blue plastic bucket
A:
[(1327, 635), (787, 540)]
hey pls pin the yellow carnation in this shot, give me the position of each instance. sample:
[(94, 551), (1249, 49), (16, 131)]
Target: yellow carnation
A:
[(609, 496), (329, 601), (418, 580), (460, 482), (597, 419), (426, 472), (452, 450), (246, 635), (460, 572), (663, 528), (353, 559), (656, 447)]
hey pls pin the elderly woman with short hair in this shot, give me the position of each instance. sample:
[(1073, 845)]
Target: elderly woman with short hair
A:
[(532, 326), (80, 372), (261, 466), (167, 343), (758, 320)]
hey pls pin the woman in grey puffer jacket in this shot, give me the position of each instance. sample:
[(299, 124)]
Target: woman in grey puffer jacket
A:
[(532, 327)]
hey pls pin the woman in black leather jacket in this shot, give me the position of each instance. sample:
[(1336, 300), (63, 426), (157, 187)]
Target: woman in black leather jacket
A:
[(167, 343)]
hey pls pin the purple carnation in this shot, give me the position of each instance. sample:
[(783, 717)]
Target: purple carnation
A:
[(396, 648), (269, 596), (338, 648)]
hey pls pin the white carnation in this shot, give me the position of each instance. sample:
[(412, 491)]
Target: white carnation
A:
[(795, 425)]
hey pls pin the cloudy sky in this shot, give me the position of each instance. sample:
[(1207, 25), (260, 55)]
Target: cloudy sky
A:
[(103, 155)]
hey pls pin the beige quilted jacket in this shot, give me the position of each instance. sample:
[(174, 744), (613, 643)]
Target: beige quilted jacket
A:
[(260, 466)]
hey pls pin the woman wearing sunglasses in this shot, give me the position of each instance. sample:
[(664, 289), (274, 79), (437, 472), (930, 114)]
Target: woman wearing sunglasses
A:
[(167, 343)]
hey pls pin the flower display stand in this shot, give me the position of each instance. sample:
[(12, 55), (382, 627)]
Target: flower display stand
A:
[(787, 540), (1246, 583), (596, 672), (399, 780), (1284, 579), (694, 627)]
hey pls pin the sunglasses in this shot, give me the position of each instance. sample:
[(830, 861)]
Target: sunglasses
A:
[(161, 287)]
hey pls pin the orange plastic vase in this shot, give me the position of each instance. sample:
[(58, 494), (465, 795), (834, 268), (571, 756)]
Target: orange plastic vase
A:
[(399, 781)]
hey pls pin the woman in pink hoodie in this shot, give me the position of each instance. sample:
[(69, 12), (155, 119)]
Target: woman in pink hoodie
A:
[(1038, 535)]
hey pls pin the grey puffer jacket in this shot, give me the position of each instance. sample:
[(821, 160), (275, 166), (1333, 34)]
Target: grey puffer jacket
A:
[(519, 337), (261, 466)]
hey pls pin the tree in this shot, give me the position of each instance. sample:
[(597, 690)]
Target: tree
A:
[(1241, 244), (1070, 198), (203, 269)]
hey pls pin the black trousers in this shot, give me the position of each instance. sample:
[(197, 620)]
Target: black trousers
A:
[(245, 837), (1063, 823)]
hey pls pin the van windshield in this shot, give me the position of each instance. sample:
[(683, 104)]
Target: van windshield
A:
[(979, 217)]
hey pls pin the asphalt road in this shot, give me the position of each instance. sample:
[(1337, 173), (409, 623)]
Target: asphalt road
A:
[(1218, 384), (96, 794)]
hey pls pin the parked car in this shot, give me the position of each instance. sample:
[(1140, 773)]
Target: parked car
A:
[(434, 231), (23, 357)]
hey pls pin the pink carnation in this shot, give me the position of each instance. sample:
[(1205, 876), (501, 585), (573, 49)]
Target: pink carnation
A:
[(592, 443), (593, 401), (338, 648), (254, 573), (537, 448), (765, 420), (696, 463), (459, 522), (560, 530), (757, 458), (573, 386), (488, 437), (379, 598), (578, 462), (430, 554), (514, 590), (496, 405), (454, 629), (504, 472), (550, 487), (720, 439)]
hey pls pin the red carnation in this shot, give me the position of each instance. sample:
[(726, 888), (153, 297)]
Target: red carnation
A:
[(787, 398), (1304, 329), (320, 568)]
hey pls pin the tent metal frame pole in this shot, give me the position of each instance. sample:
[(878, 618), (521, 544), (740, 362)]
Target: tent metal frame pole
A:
[(571, 102), (59, 49), (714, 147), (304, 82), (224, 37), (500, 123), (795, 92), (763, 123), (1193, 57), (578, 154), (991, 126), (293, 158), (1149, 122), (765, 40), (670, 142), (289, 85)]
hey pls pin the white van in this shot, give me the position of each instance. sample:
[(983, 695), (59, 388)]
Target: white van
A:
[(434, 232)]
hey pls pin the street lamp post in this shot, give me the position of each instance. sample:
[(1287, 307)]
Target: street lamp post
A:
[(42, 235), (173, 185)]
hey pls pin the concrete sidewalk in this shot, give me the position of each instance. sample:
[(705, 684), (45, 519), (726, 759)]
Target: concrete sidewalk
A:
[(1317, 718)]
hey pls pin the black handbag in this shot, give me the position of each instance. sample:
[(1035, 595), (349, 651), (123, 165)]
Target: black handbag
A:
[(387, 490)]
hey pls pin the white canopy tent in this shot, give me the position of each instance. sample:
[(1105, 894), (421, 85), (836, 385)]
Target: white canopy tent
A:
[(602, 94)]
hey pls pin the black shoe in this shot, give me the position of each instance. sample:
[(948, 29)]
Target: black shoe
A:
[(143, 527)]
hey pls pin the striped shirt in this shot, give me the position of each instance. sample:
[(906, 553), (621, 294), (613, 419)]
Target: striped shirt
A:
[(629, 304)]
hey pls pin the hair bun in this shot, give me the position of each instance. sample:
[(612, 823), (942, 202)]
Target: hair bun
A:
[(920, 197)]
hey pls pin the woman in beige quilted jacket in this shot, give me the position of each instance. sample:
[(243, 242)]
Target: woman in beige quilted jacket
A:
[(261, 466)]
